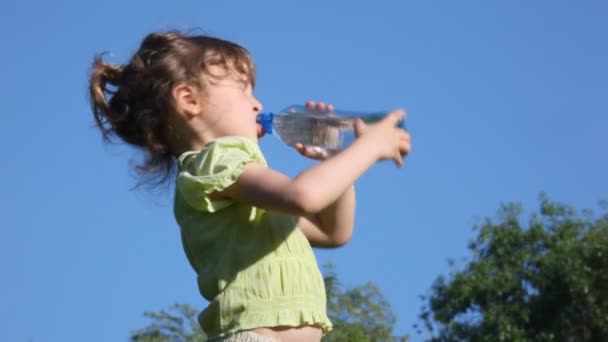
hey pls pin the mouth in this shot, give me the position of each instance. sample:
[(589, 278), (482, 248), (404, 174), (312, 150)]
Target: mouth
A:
[(260, 130)]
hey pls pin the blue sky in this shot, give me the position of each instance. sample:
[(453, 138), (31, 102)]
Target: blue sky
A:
[(505, 100)]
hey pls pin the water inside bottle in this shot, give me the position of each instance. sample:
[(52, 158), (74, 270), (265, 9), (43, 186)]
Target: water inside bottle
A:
[(329, 133)]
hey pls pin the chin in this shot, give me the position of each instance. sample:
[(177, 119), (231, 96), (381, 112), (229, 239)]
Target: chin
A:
[(251, 136)]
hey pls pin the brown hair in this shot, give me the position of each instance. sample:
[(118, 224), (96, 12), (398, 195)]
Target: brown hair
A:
[(134, 101)]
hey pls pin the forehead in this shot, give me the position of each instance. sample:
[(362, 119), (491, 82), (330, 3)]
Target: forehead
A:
[(223, 64), (217, 72)]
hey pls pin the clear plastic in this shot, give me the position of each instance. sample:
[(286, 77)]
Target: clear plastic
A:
[(330, 132)]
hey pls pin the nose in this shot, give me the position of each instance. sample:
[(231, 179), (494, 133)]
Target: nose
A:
[(257, 105)]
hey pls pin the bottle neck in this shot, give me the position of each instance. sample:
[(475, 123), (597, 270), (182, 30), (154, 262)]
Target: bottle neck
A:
[(265, 120)]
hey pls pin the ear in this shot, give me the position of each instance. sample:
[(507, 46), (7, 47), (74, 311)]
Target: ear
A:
[(187, 99)]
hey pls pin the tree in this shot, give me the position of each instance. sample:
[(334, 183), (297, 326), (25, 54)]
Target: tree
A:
[(178, 324), (544, 282), (359, 314)]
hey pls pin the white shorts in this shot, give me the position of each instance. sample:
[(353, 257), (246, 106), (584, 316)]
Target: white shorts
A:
[(244, 336)]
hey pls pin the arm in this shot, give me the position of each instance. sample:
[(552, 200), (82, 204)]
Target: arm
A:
[(311, 191), (333, 226), (322, 194)]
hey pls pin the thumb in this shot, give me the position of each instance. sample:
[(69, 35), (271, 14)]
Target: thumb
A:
[(360, 127), (395, 116)]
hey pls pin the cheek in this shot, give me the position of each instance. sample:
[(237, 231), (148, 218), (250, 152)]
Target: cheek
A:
[(220, 103)]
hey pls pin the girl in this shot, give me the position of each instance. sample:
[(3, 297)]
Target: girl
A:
[(247, 230)]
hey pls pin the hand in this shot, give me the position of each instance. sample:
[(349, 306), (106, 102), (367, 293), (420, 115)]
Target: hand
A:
[(389, 141), (315, 152)]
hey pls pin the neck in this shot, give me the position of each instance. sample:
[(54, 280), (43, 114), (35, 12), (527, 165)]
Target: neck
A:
[(187, 136), (184, 137)]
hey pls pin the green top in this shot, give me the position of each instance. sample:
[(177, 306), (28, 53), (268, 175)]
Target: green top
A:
[(255, 267)]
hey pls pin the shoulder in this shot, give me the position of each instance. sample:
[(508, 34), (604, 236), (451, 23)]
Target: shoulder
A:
[(213, 169), (221, 153)]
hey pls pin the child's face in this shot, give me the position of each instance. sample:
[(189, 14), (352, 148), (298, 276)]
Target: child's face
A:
[(229, 106)]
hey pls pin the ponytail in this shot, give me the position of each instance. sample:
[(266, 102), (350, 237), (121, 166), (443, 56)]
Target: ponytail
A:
[(134, 101), (104, 75), (118, 112)]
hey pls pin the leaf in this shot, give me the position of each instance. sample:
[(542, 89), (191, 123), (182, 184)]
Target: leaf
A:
[(543, 281)]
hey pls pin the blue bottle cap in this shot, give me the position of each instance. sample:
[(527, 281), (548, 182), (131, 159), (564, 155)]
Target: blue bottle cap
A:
[(265, 120)]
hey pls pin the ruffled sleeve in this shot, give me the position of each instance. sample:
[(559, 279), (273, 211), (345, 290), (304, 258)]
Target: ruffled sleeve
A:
[(213, 169)]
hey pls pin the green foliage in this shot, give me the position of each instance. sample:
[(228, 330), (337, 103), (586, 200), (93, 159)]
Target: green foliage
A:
[(547, 281), (178, 324), (359, 314)]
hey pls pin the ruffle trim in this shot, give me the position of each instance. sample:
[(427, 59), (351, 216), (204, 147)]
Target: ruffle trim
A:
[(291, 294)]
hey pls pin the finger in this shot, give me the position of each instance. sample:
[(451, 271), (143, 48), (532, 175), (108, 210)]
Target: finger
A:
[(325, 107), (398, 160), (360, 127), (299, 147), (321, 107), (403, 136), (310, 104), (319, 153), (309, 151), (324, 154), (404, 148), (395, 116)]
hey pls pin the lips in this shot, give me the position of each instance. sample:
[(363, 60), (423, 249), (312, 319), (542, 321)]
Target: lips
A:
[(260, 130)]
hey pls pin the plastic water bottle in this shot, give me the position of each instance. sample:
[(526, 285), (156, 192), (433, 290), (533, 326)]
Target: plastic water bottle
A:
[(331, 132)]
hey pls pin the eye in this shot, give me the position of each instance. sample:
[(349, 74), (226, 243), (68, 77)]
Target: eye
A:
[(246, 87)]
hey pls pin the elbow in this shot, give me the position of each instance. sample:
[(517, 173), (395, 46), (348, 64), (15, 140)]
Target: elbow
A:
[(342, 239), (334, 240), (338, 236)]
